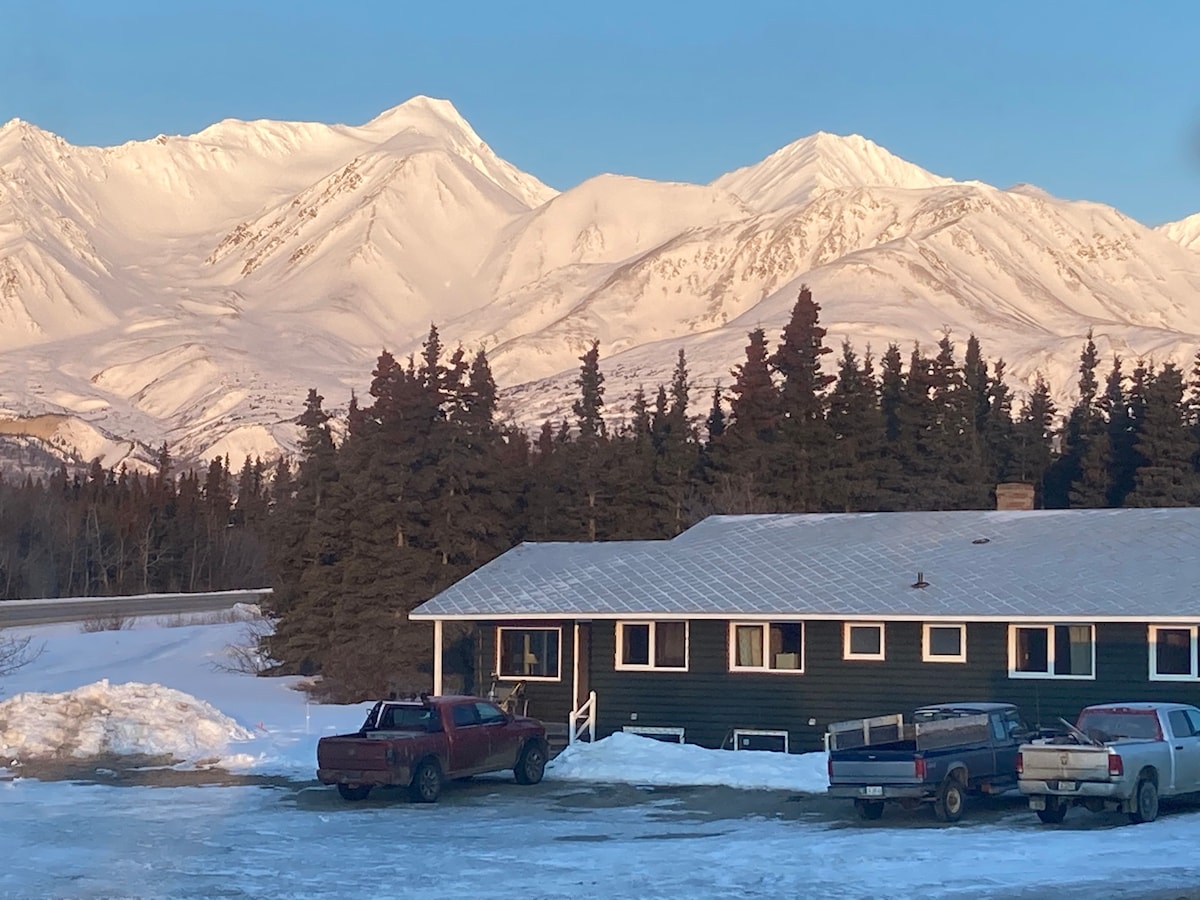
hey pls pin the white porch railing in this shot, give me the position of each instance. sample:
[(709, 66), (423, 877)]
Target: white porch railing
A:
[(582, 721)]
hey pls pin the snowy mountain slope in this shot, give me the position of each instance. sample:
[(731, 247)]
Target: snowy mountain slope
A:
[(192, 289), (888, 264), (1185, 231)]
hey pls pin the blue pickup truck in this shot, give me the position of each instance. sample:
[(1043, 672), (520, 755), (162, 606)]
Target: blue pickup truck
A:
[(937, 755)]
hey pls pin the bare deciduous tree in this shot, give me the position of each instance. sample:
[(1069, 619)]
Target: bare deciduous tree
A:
[(15, 653)]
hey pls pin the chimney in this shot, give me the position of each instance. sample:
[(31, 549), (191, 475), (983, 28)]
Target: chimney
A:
[(1014, 495)]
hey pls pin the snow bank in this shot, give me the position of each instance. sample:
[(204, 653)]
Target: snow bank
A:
[(155, 690), (122, 719), (635, 759)]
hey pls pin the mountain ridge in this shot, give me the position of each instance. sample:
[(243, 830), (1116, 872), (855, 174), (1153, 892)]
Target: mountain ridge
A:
[(188, 290)]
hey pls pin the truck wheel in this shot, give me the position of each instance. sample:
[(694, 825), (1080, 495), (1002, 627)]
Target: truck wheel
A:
[(426, 782), (869, 809), (1146, 802), (1055, 811), (532, 764), (951, 800), (354, 792)]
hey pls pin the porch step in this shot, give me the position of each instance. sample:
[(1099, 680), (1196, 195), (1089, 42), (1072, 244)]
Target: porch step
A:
[(557, 737)]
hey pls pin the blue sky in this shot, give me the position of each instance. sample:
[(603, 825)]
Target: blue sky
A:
[(1097, 101)]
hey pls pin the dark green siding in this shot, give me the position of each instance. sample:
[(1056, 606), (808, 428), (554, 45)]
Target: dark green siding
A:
[(708, 701), (549, 701)]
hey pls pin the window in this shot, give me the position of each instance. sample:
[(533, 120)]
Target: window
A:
[(532, 654), (652, 645), (1051, 651), (862, 640), (1181, 725), (1173, 653), (489, 713), (944, 643), (464, 715), (766, 646)]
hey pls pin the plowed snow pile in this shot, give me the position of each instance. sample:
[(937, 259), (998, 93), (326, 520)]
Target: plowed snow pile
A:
[(118, 719)]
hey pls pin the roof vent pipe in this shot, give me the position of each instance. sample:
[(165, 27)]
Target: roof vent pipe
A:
[(920, 582)]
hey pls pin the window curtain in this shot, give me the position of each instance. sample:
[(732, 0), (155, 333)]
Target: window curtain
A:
[(749, 646)]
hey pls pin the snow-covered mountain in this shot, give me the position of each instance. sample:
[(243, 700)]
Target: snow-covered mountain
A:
[(1185, 231), (191, 289)]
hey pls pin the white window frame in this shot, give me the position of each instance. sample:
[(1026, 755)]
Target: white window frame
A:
[(926, 653), (760, 732), (764, 627), (502, 676), (847, 655), (1049, 629), (1152, 641), (651, 667)]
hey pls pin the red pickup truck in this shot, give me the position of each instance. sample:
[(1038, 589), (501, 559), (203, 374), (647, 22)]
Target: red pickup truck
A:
[(421, 743)]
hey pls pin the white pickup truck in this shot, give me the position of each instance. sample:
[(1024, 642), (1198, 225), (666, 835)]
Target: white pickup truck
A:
[(1117, 755)]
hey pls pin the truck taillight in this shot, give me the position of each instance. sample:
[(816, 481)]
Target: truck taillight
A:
[(1020, 763), (919, 768), (1116, 765), (829, 766)]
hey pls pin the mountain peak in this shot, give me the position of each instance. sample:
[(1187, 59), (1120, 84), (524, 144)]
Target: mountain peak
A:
[(822, 161), (424, 114), (1185, 231)]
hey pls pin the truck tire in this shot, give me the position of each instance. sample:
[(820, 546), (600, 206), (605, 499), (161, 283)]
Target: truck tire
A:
[(426, 784), (354, 792), (869, 809), (531, 764), (951, 800), (1145, 802), (1055, 811)]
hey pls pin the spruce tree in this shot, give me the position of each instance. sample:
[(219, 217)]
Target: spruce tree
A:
[(1082, 427), (1034, 437), (1165, 446), (856, 425), (801, 454)]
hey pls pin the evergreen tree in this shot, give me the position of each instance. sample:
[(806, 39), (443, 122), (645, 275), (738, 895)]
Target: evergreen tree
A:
[(1165, 445), (750, 433), (1115, 407), (1034, 437), (856, 425), (1082, 427), (589, 407), (800, 459)]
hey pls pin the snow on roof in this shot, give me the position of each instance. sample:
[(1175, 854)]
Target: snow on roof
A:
[(1111, 564)]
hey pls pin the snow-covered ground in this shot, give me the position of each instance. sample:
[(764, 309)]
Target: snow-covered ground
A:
[(626, 816)]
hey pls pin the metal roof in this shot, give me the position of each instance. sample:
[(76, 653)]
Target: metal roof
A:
[(1120, 564)]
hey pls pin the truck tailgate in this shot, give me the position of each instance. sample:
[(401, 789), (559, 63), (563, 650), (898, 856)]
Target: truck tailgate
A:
[(872, 767), (1064, 763), (349, 752)]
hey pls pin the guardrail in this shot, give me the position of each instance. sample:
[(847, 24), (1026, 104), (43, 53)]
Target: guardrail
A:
[(77, 609)]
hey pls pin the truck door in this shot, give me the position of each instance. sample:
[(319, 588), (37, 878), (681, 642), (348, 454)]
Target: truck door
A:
[(1185, 748), (468, 740), (1003, 751), (502, 746)]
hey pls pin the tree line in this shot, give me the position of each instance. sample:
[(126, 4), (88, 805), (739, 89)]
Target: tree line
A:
[(429, 483)]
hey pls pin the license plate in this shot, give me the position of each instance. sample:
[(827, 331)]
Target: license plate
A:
[(873, 791)]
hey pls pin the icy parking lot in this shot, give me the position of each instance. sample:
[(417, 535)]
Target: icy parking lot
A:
[(491, 838)]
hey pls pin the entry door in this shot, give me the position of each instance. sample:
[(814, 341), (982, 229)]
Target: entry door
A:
[(583, 662)]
